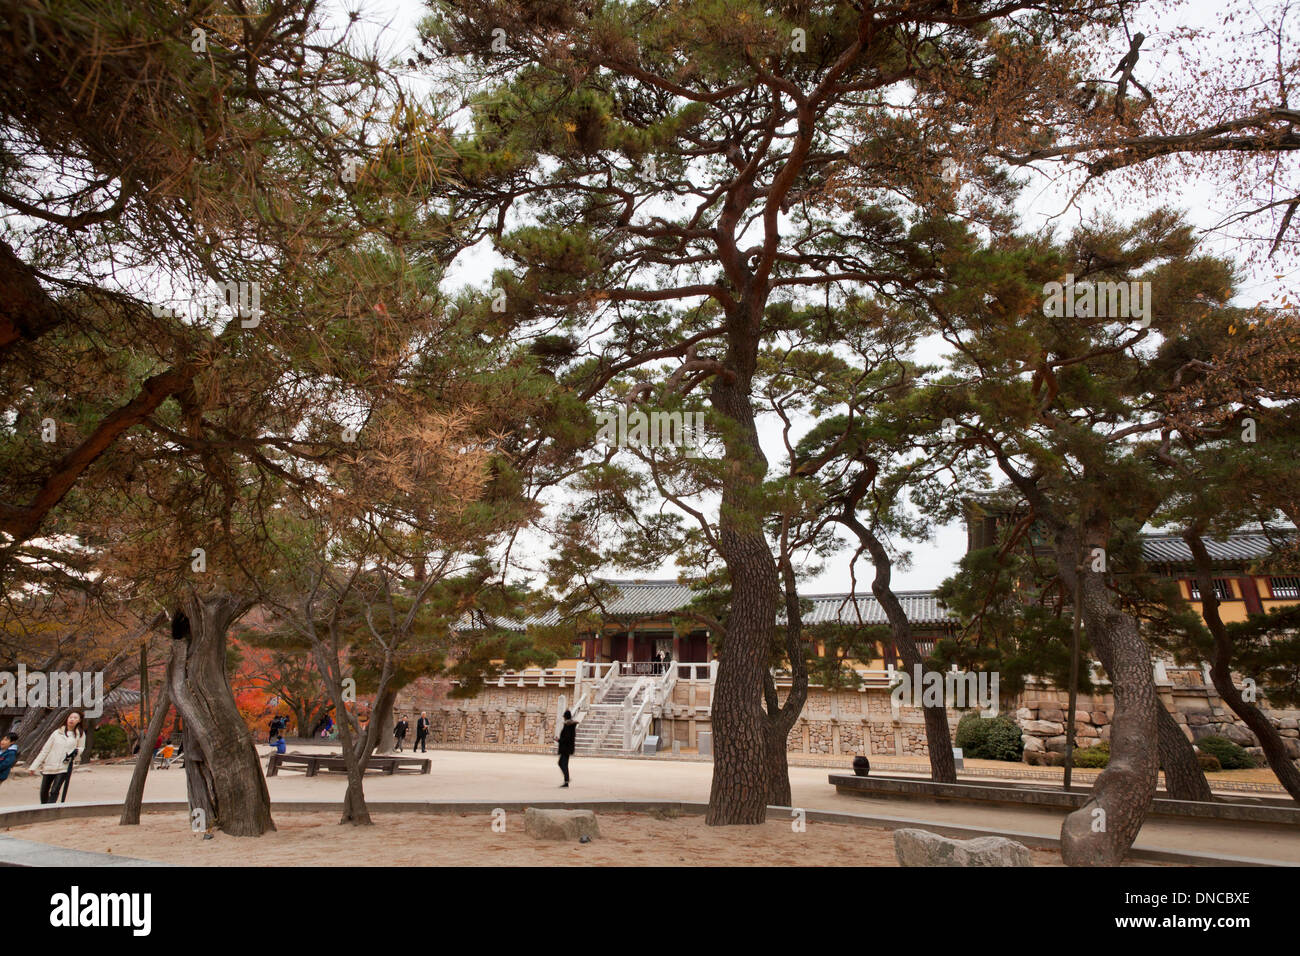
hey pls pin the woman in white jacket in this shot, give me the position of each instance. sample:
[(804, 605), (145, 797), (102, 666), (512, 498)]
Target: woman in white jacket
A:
[(54, 762)]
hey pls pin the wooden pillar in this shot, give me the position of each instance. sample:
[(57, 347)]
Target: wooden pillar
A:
[(631, 641), (677, 645), (1250, 594)]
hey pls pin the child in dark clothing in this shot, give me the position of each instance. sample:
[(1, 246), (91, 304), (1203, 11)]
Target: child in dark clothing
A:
[(8, 755)]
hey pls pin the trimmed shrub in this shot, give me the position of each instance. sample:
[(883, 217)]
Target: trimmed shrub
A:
[(110, 741), (971, 731), (1093, 758), (1209, 763), (989, 738), (1230, 756)]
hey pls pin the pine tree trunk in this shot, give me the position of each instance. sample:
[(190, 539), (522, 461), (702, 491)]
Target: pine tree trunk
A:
[(383, 719), (222, 770), (1184, 778), (781, 717), (740, 736), (1221, 675), (938, 736), (135, 792), (1101, 831)]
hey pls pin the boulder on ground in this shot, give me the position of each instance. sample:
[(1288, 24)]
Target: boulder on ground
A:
[(560, 824), (923, 848)]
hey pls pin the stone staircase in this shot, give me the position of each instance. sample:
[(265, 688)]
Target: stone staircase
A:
[(600, 731)]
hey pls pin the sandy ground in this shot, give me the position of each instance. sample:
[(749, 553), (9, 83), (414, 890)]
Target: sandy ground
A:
[(627, 839), (480, 776)]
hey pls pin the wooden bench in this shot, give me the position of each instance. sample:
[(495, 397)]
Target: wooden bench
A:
[(314, 763)]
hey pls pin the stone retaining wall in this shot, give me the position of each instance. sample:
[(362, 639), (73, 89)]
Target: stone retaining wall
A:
[(833, 722)]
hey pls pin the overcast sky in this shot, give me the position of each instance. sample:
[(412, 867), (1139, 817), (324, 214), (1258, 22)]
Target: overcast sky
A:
[(1043, 203)]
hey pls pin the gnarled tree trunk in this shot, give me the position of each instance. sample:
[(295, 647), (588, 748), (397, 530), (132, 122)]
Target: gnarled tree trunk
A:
[(1101, 831), (222, 770)]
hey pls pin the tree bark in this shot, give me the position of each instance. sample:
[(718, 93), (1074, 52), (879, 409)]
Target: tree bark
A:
[(135, 792), (1221, 674), (781, 717), (381, 717), (1184, 778), (222, 770), (1101, 831), (740, 792), (938, 736)]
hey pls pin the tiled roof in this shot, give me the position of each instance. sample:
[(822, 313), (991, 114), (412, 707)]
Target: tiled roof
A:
[(643, 599), (1241, 546), (922, 607)]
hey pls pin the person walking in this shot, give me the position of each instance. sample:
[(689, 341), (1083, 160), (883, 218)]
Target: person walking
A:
[(421, 733), (567, 741), (8, 754), (55, 761), (399, 732)]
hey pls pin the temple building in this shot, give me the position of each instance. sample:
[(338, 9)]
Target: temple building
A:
[(626, 702)]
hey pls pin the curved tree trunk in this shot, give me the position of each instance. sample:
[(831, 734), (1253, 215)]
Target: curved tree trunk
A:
[(1221, 674), (222, 769), (740, 793), (382, 719), (1101, 831), (781, 717), (135, 792), (938, 736), (1184, 778)]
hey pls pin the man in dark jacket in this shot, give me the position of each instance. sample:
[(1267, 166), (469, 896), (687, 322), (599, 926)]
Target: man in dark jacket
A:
[(421, 733), (567, 740), (399, 732)]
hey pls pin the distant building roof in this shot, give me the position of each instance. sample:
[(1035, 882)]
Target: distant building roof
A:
[(649, 599), (922, 607), (1236, 548)]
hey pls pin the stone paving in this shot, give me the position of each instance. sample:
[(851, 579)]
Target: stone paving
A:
[(478, 776)]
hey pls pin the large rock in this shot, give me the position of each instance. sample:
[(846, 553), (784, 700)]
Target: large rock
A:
[(923, 848), (1032, 743), (1043, 728), (560, 824), (1241, 735)]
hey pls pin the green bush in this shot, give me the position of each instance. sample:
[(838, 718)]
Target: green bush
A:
[(1093, 758), (1230, 756), (1209, 763), (110, 741), (971, 731), (989, 738)]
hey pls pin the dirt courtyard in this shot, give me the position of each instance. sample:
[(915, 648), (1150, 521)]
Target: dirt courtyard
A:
[(443, 839)]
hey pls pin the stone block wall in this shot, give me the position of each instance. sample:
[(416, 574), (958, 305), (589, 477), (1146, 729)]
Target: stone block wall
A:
[(833, 722)]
